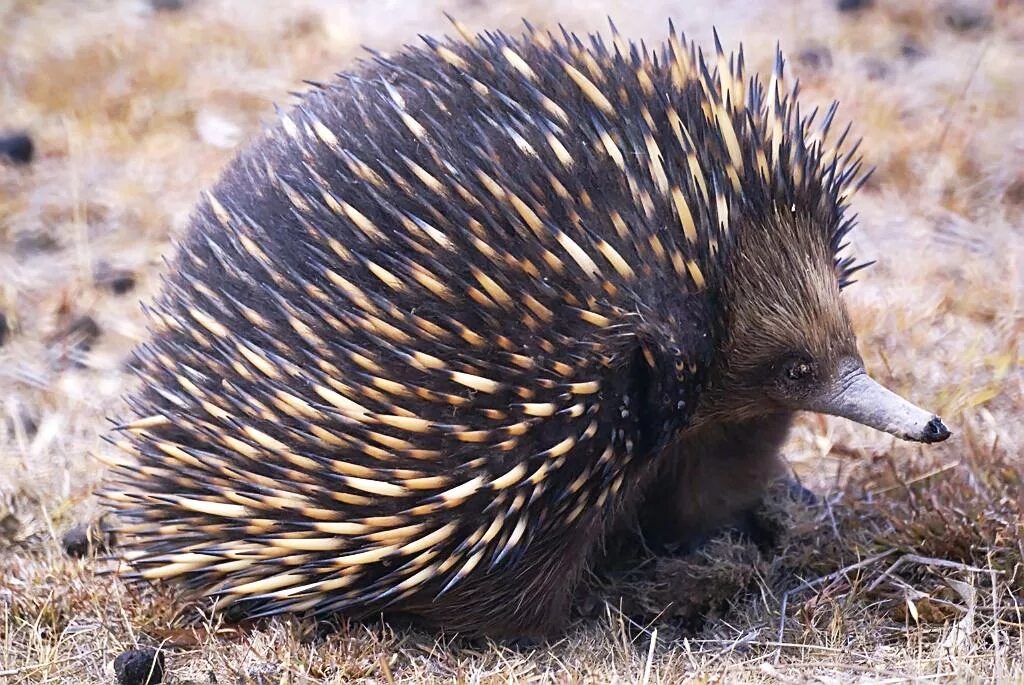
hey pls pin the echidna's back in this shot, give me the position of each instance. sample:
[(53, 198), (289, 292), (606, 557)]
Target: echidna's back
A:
[(421, 339)]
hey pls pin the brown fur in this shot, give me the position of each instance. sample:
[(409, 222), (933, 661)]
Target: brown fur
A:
[(781, 298), (711, 479)]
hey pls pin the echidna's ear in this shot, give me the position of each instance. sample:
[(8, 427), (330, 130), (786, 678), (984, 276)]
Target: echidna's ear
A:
[(854, 395)]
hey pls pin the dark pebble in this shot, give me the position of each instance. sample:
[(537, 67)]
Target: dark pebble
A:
[(82, 332), (74, 340), (10, 526), (17, 148), (140, 667), (4, 328), (964, 17), (853, 5), (30, 242), (120, 281), (167, 5), (876, 69), (798, 493), (85, 539), (818, 58), (1014, 194), (76, 541), (911, 50), (21, 417)]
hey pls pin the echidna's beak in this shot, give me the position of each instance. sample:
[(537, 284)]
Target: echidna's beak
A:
[(858, 397)]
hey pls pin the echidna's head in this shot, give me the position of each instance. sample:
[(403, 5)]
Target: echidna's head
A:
[(788, 343)]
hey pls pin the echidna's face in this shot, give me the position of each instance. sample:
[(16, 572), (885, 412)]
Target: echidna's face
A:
[(789, 344)]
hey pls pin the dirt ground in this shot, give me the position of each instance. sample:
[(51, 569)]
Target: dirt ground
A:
[(909, 569)]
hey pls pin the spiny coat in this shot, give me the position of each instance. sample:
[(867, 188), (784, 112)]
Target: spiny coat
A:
[(437, 328)]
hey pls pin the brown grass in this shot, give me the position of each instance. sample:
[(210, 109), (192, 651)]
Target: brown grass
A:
[(910, 569)]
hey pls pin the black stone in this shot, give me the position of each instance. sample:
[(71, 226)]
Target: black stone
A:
[(799, 493), (167, 5), (71, 342), (912, 51), (876, 69), (76, 541), (83, 331), (853, 5), (1014, 194), (4, 328), (817, 58), (139, 667), (83, 540), (21, 414), (29, 242), (964, 17), (120, 281), (17, 148)]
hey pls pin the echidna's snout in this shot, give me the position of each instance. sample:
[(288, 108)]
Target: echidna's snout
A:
[(856, 396), (935, 431)]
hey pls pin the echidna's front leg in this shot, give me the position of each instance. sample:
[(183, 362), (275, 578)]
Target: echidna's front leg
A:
[(713, 479)]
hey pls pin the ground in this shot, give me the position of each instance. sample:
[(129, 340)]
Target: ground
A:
[(910, 568)]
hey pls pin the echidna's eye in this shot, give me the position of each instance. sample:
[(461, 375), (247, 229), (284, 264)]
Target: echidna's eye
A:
[(798, 371)]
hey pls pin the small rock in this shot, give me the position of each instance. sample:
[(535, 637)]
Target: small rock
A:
[(4, 328), (76, 542), (22, 418), (85, 539), (800, 494), (876, 69), (29, 242), (119, 281), (139, 667), (911, 50), (17, 148), (853, 5), (122, 283), (1014, 194), (167, 5), (964, 17), (81, 333), (75, 339), (10, 526), (817, 58)]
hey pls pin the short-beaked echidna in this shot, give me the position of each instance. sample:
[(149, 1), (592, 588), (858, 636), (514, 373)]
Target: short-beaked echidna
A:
[(462, 308)]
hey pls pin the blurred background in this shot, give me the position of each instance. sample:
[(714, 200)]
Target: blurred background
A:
[(115, 114)]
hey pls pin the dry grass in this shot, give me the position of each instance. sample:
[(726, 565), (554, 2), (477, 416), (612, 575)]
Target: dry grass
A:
[(911, 569)]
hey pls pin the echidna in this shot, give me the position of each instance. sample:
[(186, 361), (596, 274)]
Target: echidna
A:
[(458, 311)]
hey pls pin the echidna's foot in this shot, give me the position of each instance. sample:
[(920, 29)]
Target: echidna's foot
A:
[(662, 545), (762, 524), (712, 482), (799, 493), (749, 524), (760, 528), (758, 524)]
